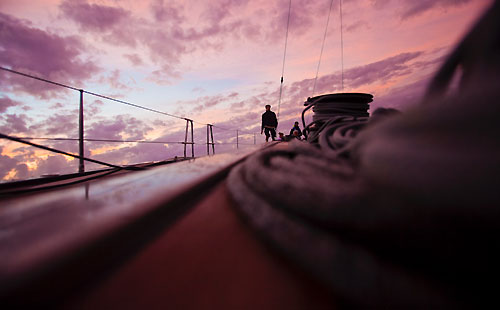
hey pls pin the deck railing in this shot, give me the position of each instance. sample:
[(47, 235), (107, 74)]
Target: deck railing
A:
[(189, 132)]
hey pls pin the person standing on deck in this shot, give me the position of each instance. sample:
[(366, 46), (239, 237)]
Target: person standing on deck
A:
[(269, 123)]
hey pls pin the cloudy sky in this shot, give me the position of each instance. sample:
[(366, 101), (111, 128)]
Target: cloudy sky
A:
[(216, 62)]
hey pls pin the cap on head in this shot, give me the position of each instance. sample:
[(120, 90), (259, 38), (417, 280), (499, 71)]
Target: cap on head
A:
[(268, 106)]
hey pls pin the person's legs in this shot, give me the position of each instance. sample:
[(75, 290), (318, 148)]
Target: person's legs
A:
[(273, 133), (266, 132)]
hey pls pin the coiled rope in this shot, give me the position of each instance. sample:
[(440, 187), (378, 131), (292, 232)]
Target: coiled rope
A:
[(408, 218), (332, 109)]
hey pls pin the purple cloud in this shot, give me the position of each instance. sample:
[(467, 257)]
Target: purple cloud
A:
[(6, 164), (357, 77), (356, 25), (164, 76), (135, 59), (57, 124), (412, 8), (6, 102), (93, 17), (415, 8), (166, 12), (118, 128), (114, 80), (14, 124), (34, 51), (55, 164), (21, 172), (402, 97), (92, 109), (56, 105), (380, 71)]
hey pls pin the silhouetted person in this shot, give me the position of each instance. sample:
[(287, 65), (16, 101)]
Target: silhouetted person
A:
[(296, 135), (281, 136), (296, 127), (269, 123)]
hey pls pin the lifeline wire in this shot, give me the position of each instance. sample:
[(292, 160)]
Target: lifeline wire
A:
[(120, 141), (102, 96), (64, 153)]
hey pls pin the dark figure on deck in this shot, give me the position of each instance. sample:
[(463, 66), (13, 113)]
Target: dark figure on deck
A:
[(296, 128), (269, 123), (295, 135)]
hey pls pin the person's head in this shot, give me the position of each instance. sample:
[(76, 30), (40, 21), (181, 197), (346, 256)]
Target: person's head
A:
[(296, 124), (268, 107), (282, 135)]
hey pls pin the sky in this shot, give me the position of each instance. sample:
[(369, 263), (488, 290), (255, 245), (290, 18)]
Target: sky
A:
[(216, 62)]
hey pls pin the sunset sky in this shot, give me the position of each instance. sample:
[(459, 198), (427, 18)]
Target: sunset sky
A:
[(216, 62)]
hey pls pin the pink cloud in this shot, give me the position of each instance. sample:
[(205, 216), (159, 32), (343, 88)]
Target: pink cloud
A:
[(93, 108), (144, 152), (209, 102), (117, 128), (221, 9), (115, 25), (402, 97), (241, 121), (114, 79), (21, 172), (380, 71), (57, 105), (6, 102), (135, 59), (358, 77), (412, 8), (31, 50), (356, 25), (57, 124), (93, 17), (376, 72), (166, 12), (302, 16), (110, 22), (55, 164), (176, 37), (249, 103), (165, 76), (14, 123), (6, 164), (198, 90), (415, 8)]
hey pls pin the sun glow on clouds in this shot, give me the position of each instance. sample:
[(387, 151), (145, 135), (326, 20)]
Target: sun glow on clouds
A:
[(215, 61)]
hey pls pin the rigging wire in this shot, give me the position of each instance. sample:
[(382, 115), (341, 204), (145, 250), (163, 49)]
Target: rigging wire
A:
[(284, 57), (106, 97), (64, 153), (322, 46), (114, 140), (341, 44), (98, 140)]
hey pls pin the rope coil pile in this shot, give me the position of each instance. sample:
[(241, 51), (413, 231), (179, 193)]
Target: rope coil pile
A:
[(347, 112), (399, 210)]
